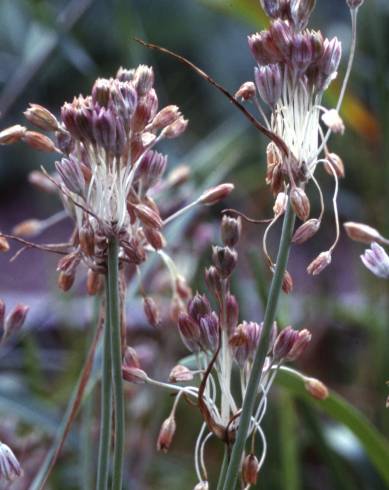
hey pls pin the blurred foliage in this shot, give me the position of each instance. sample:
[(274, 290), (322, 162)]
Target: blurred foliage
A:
[(51, 50)]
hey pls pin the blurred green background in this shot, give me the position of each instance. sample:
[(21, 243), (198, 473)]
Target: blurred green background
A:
[(53, 50)]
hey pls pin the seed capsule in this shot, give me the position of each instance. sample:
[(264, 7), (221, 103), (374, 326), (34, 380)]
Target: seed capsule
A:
[(166, 434), (306, 231), (320, 263)]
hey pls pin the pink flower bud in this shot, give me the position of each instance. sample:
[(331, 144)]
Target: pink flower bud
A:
[(166, 434), (316, 388), (246, 91), (39, 141), (300, 203), (250, 469), (86, 238), (336, 163), (12, 135), (284, 343), (4, 245), (28, 228), (287, 283), (176, 129), (216, 194), (168, 115), (280, 204), (301, 342), (320, 263), (143, 79), (148, 216), (15, 320), (151, 311), (333, 121), (214, 280), (131, 370), (94, 282), (180, 373), (306, 231), (41, 117), (363, 233)]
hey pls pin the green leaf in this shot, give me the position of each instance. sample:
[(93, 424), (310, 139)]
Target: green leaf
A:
[(375, 445)]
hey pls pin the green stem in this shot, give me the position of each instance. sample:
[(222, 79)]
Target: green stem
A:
[(106, 402), (253, 384), (223, 470), (113, 280), (87, 416)]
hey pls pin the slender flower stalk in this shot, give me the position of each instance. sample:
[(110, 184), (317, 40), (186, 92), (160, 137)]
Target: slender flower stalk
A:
[(259, 360), (116, 347), (106, 402)]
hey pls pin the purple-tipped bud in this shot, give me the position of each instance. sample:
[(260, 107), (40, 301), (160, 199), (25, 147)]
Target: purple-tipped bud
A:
[(214, 280), (284, 343), (268, 80), (151, 168), (244, 342), (300, 344), (273, 8), (209, 331), (330, 60), (225, 259), (15, 320), (376, 260), (70, 172), (125, 75), (300, 12), (101, 91), (258, 48), (190, 332), (143, 79), (151, 311), (166, 434), (10, 468), (282, 36), (180, 374), (322, 261), (231, 229), (199, 306), (301, 52), (232, 313)]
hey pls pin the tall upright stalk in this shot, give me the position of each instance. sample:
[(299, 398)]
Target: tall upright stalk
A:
[(253, 384), (106, 401), (116, 349)]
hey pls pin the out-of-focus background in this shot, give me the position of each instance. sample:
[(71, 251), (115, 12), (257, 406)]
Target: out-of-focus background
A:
[(53, 50)]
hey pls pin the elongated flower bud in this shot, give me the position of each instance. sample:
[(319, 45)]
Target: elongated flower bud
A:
[(151, 311), (336, 163), (230, 230), (363, 233), (41, 117), (306, 231), (216, 194), (148, 216), (12, 135), (268, 80), (320, 263), (166, 434), (300, 203), (287, 283), (28, 228), (250, 469), (39, 141), (15, 320), (316, 388), (10, 468), (94, 282), (225, 259)]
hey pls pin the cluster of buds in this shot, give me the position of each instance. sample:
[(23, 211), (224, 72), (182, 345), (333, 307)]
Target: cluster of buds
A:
[(295, 66), (13, 322), (109, 173), (221, 343)]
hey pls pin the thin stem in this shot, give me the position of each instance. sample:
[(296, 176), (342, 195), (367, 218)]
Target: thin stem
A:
[(106, 402), (223, 470), (116, 347), (255, 376)]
